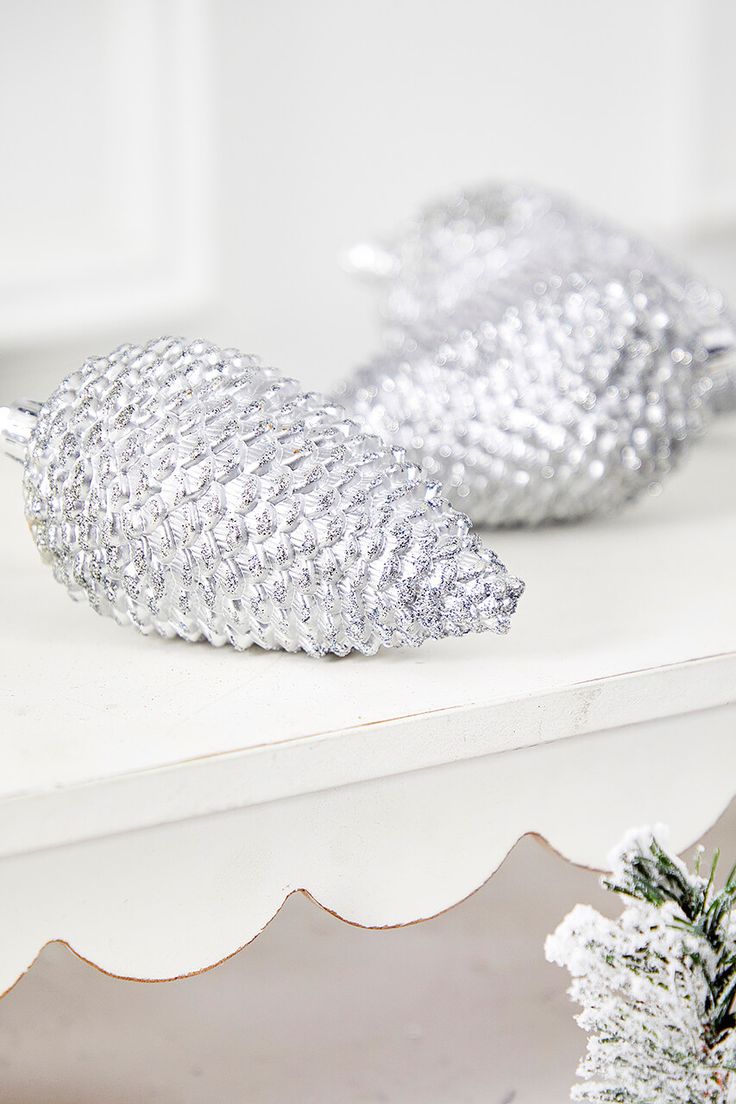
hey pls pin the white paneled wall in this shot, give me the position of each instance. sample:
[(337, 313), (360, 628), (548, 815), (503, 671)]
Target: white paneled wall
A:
[(198, 165), (106, 197)]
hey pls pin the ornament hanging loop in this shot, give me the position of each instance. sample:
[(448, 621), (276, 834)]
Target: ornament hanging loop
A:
[(17, 423)]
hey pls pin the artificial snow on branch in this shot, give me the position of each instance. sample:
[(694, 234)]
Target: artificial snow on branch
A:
[(656, 985)]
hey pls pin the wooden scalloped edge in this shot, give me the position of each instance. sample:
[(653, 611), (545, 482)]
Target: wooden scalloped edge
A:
[(379, 854), (294, 892), (325, 908)]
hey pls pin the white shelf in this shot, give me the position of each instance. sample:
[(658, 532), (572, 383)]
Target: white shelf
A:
[(281, 772)]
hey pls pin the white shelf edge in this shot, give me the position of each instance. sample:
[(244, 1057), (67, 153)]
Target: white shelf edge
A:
[(172, 900), (265, 773)]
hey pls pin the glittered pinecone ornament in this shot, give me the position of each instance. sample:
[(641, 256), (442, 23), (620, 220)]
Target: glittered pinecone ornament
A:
[(541, 362), (189, 490)]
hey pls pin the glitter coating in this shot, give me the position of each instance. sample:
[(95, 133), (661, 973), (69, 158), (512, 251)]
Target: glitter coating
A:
[(542, 363), (189, 490)]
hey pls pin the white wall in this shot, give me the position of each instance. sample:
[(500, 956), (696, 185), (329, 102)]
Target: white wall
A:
[(195, 166)]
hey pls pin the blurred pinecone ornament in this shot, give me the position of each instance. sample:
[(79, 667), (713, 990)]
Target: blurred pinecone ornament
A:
[(189, 490), (542, 363)]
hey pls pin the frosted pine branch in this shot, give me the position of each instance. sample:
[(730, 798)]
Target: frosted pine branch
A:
[(656, 985)]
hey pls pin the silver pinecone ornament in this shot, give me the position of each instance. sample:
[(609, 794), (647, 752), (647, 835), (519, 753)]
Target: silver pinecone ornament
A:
[(188, 490), (541, 362)]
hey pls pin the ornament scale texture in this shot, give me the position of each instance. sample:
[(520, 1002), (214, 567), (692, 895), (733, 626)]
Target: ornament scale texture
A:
[(189, 490), (543, 364)]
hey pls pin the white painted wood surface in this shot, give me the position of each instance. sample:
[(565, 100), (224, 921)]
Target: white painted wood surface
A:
[(461, 1010), (159, 801)]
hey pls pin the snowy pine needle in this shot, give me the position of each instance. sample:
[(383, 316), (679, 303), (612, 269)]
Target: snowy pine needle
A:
[(656, 985)]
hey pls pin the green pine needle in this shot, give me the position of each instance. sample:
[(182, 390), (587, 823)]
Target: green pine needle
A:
[(655, 877)]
